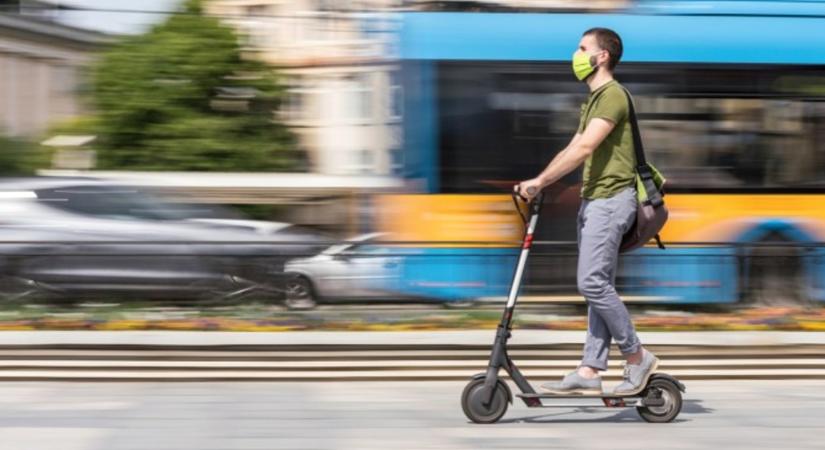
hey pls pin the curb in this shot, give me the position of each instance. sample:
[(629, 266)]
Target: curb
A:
[(196, 339)]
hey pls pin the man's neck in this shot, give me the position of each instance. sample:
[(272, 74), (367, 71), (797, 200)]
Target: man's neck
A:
[(599, 79)]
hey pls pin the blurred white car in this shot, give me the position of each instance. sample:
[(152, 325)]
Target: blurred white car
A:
[(357, 269)]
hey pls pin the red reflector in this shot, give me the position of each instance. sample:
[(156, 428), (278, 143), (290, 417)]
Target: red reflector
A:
[(528, 241)]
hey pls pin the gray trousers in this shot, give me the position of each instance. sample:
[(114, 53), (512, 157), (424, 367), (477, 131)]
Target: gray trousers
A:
[(601, 224)]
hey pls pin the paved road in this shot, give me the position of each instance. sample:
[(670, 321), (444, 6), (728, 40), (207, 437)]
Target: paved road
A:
[(387, 415)]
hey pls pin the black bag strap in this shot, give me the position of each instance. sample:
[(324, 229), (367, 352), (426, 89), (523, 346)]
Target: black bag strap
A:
[(637, 136), (659, 242), (654, 195)]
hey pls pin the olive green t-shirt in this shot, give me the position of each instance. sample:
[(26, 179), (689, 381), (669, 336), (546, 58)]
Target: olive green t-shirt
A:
[(611, 167)]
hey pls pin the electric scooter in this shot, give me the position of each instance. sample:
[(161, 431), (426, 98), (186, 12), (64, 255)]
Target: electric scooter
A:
[(486, 396)]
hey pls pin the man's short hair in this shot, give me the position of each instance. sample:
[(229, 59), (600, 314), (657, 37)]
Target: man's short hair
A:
[(608, 40)]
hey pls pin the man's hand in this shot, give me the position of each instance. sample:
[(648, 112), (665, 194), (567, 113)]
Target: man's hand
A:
[(525, 186)]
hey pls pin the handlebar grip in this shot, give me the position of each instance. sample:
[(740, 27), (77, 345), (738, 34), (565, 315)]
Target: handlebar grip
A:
[(517, 193), (530, 190)]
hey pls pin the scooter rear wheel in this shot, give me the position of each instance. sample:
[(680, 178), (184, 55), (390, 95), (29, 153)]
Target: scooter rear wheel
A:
[(472, 402), (668, 411)]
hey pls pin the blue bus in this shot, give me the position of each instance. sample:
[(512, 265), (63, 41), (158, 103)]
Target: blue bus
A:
[(731, 102)]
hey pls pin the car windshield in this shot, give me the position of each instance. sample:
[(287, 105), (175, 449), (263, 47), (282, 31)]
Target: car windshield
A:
[(365, 243), (126, 203)]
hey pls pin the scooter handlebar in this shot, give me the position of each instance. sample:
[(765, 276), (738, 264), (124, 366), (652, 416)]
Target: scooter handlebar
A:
[(530, 190), (534, 205)]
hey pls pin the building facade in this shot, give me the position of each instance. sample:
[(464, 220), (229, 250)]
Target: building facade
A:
[(40, 72), (337, 60)]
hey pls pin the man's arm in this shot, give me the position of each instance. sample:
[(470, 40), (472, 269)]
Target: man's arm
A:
[(580, 148)]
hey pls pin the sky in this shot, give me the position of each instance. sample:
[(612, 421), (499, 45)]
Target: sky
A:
[(114, 22)]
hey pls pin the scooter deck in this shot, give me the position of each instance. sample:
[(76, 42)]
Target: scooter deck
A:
[(637, 393), (602, 395), (607, 395)]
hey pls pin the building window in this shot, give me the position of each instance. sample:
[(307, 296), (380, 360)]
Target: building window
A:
[(321, 29), (63, 79), (358, 97), (303, 100), (396, 161), (396, 96), (257, 10), (362, 162), (332, 5)]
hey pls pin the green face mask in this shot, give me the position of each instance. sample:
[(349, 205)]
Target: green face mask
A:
[(581, 65)]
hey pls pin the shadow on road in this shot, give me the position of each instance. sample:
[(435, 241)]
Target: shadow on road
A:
[(689, 406)]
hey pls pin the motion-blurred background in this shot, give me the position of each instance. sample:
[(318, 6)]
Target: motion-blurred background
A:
[(291, 154), (310, 169)]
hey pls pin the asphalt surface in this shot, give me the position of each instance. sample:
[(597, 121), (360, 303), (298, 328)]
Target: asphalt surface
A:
[(381, 415)]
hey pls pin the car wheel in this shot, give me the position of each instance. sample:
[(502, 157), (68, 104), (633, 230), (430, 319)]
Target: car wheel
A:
[(299, 293), (21, 290), (776, 274)]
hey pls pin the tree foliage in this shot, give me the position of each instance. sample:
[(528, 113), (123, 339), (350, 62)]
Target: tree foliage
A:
[(18, 157), (182, 97)]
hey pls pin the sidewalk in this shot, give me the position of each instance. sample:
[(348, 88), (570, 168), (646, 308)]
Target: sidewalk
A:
[(387, 338), (297, 356)]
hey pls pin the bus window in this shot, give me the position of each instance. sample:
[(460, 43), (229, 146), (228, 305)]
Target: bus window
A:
[(708, 128)]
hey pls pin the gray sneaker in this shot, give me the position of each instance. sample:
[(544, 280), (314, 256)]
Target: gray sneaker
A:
[(636, 375), (573, 383)]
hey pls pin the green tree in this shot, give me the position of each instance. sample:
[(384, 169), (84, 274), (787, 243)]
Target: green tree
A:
[(182, 97), (18, 157)]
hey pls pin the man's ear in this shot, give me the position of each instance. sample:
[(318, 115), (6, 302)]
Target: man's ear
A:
[(604, 58)]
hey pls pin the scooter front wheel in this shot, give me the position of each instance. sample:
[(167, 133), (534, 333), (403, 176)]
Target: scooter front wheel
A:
[(474, 406)]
